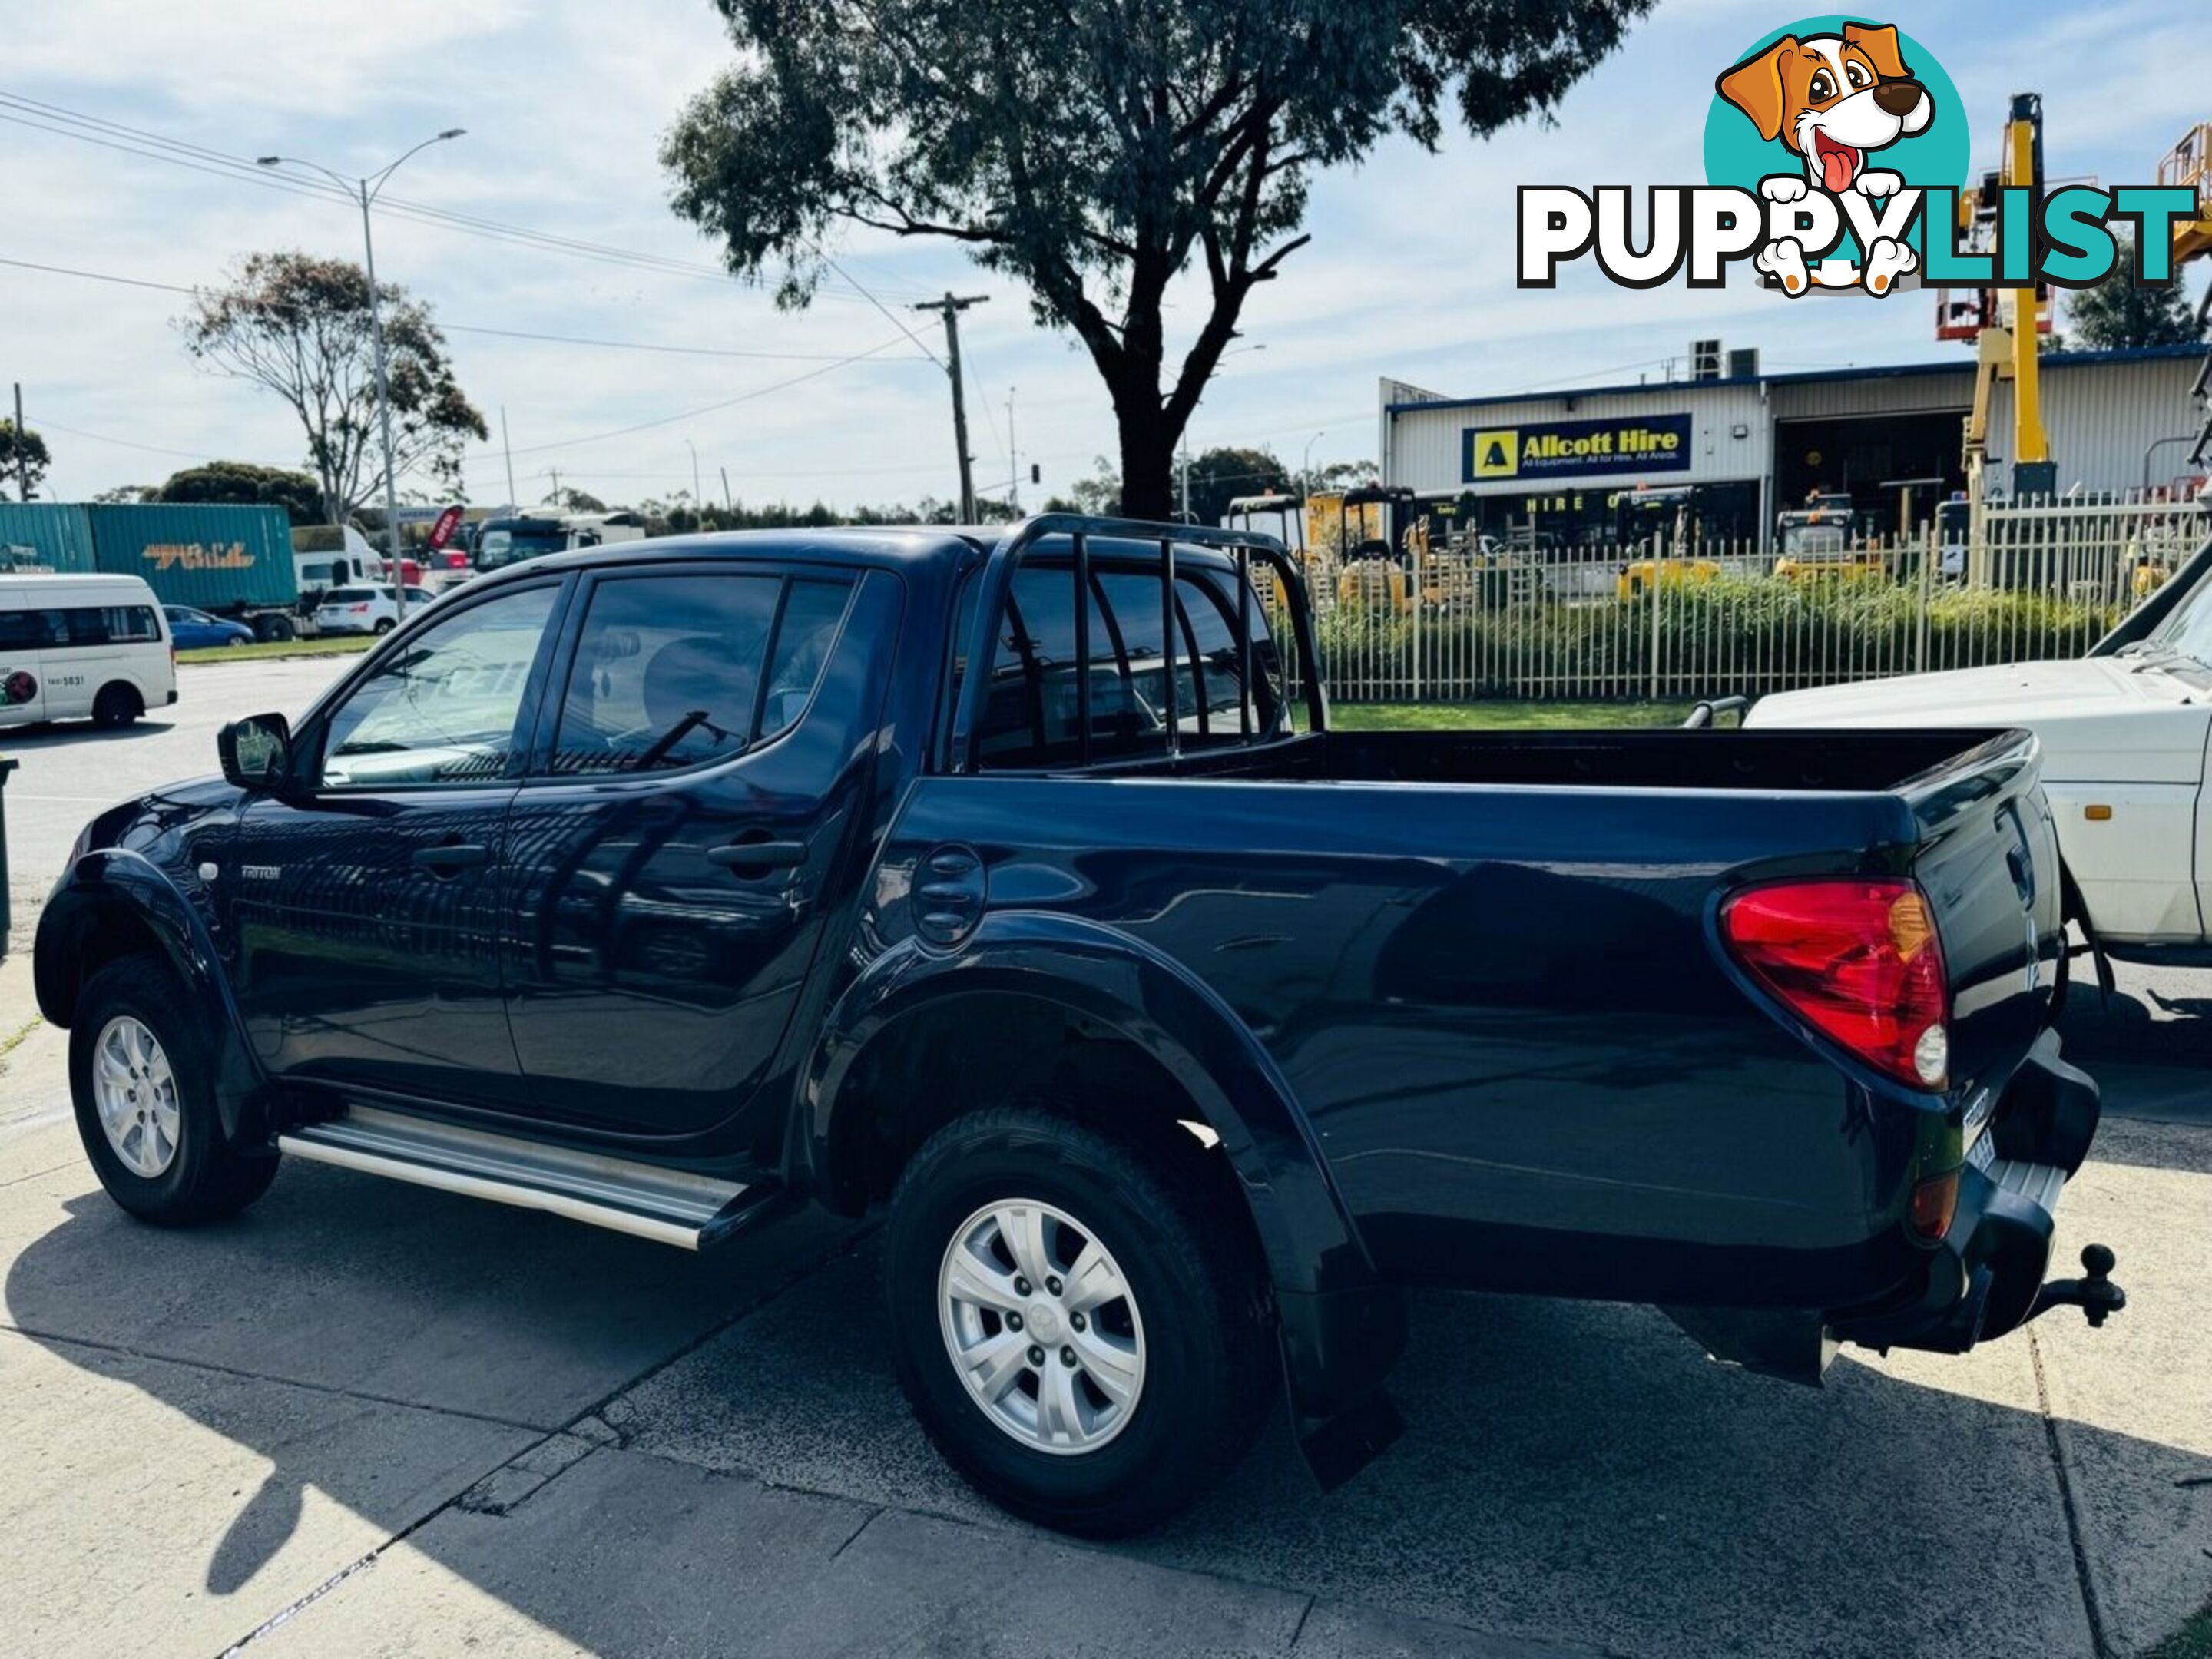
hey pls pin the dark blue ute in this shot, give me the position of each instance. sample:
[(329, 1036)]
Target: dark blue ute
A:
[(1016, 888)]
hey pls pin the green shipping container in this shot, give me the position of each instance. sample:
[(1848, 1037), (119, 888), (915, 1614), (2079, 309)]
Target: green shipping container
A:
[(216, 558), (41, 535)]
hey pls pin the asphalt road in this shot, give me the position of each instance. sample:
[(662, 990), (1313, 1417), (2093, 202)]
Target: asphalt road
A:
[(69, 771)]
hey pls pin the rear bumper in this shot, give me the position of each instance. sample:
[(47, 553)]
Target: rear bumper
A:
[(1986, 1275)]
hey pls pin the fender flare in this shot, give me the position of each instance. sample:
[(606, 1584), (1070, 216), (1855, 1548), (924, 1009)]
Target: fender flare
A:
[(1108, 977), (103, 883)]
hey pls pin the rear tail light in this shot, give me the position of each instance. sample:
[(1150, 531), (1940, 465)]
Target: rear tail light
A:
[(1858, 960)]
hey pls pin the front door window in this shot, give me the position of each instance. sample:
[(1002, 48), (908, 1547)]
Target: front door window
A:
[(443, 711)]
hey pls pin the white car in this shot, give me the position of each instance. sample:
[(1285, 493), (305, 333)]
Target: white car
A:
[(2125, 741), (366, 610)]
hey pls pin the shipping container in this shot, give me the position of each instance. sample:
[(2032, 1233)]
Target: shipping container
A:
[(44, 536), (223, 559)]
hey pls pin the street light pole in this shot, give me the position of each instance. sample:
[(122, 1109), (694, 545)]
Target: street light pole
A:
[(366, 190), (1305, 461), (697, 506)]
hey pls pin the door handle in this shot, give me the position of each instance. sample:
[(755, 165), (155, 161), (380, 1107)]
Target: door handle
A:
[(750, 855), (450, 861)]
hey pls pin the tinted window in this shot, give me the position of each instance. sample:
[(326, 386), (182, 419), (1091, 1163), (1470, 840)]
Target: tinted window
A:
[(1031, 718), (443, 711), (349, 596), (804, 634), (112, 624), (30, 630), (677, 671)]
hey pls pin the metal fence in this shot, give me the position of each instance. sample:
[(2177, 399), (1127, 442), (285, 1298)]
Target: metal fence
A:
[(1471, 621)]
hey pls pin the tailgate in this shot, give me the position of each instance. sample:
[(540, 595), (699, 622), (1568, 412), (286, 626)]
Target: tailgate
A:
[(1989, 862)]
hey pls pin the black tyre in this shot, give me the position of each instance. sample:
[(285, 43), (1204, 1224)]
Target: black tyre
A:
[(272, 628), (1113, 1392), (385, 625), (141, 1074), (116, 705)]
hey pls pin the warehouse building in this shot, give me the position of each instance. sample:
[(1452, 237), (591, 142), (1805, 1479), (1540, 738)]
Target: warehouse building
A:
[(1555, 466)]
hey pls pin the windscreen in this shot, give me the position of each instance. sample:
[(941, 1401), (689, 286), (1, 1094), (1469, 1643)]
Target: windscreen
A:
[(2188, 631), (509, 544)]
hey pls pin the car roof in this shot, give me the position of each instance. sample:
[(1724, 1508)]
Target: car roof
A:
[(885, 546), (82, 578)]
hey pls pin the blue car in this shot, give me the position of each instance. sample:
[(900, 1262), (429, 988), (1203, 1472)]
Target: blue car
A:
[(193, 630)]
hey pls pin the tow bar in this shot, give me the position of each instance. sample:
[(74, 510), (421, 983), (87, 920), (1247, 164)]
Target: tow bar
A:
[(2095, 1294)]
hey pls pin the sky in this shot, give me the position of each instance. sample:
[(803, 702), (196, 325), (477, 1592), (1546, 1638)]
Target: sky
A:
[(1410, 274)]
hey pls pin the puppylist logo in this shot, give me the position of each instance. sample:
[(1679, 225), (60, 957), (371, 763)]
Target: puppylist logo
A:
[(1835, 153)]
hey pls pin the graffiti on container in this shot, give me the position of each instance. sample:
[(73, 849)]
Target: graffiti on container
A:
[(197, 556)]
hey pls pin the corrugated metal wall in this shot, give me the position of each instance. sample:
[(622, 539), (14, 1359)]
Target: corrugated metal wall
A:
[(2101, 417), (49, 534), (1424, 451), (1892, 394), (216, 557)]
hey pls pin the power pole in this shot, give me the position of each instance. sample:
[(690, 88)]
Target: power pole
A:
[(1013, 455), (1183, 471), (22, 450), (513, 504), (727, 503), (951, 306)]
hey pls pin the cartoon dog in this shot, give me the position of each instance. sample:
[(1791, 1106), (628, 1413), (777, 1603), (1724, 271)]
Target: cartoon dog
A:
[(1832, 98)]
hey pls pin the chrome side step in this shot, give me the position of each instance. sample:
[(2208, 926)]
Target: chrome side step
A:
[(671, 1206)]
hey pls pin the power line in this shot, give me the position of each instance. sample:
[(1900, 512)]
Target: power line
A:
[(468, 328), (117, 136), (708, 408)]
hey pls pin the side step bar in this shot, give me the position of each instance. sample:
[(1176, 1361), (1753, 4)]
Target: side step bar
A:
[(671, 1206)]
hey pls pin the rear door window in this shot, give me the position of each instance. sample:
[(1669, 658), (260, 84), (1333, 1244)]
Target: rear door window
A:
[(112, 624), (1032, 716), (674, 671)]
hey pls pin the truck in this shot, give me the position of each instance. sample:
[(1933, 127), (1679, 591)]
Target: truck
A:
[(1016, 890), (234, 562), (505, 541)]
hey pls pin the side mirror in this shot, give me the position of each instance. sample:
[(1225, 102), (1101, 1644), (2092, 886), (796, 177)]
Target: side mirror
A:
[(257, 752)]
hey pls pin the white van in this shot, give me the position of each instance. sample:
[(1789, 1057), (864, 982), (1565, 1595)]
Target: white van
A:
[(78, 648)]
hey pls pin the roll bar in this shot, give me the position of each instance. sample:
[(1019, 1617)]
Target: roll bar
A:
[(997, 577)]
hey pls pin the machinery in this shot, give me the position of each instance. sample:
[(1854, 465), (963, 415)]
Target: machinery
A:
[(2188, 165), (1661, 532), (1822, 542), (2005, 324)]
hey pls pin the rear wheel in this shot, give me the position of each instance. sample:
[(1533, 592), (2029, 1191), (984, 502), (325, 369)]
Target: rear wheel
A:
[(116, 705), (383, 624), (272, 628), (142, 1076), (1079, 1323)]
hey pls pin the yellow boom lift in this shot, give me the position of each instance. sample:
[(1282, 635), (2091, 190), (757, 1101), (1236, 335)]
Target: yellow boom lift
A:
[(2010, 321)]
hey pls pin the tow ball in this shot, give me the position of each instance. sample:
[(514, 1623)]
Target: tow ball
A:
[(2094, 1294)]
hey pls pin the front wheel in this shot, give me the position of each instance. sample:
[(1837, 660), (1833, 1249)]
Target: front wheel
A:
[(142, 1076), (1080, 1324)]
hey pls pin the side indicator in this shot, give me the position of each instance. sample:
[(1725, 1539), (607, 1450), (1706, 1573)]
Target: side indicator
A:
[(2097, 814)]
